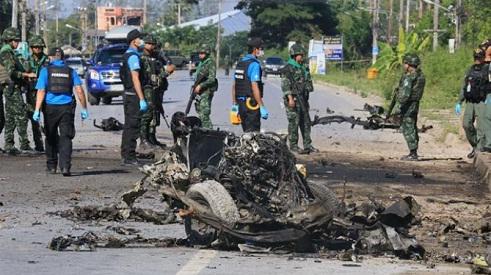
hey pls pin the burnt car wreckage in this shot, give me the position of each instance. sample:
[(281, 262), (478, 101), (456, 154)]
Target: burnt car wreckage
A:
[(248, 191)]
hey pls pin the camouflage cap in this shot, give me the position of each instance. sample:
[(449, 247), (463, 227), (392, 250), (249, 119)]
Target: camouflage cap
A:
[(149, 38), (204, 49), (479, 54), (11, 34), (297, 49), (36, 41), (485, 44), (412, 59)]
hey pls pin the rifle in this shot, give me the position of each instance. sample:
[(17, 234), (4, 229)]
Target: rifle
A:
[(193, 95), (392, 103), (160, 108)]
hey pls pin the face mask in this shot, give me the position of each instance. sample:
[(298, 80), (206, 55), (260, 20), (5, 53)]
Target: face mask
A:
[(142, 44), (260, 53)]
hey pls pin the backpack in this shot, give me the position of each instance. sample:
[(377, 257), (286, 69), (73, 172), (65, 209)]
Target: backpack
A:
[(475, 81)]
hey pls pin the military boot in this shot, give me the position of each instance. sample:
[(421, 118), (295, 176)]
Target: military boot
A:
[(310, 149), (472, 153), (413, 156), (295, 149), (153, 140), (38, 146), (145, 145)]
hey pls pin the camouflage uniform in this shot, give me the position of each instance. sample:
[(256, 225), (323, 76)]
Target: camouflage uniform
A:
[(35, 63), (296, 81), (150, 80), (15, 108), (206, 70), (410, 92), (159, 91)]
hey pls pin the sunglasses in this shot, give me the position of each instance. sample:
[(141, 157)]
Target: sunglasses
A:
[(36, 47)]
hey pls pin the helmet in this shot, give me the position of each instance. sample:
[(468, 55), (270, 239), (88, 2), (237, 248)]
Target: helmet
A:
[(36, 41), (412, 59), (296, 49), (204, 49), (11, 34), (479, 54), (149, 38), (485, 44)]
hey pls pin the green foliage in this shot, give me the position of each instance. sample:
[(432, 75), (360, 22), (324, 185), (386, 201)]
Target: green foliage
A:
[(444, 74), (234, 45), (357, 34), (276, 22), (187, 39), (390, 58), (477, 21)]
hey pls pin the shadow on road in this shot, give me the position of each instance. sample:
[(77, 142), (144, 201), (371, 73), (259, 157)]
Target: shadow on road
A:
[(99, 172)]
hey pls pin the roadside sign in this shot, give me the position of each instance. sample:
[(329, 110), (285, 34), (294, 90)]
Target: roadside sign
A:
[(333, 48)]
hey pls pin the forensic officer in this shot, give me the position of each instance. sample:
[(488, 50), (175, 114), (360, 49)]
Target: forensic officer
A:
[(297, 85), (410, 92), (247, 90), (473, 94), (55, 96), (133, 98), (149, 84), (15, 108), (205, 85), (36, 61)]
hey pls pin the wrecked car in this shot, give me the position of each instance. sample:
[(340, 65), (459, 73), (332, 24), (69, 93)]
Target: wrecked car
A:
[(245, 188)]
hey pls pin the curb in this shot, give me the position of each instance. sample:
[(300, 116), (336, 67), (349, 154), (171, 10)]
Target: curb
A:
[(482, 165)]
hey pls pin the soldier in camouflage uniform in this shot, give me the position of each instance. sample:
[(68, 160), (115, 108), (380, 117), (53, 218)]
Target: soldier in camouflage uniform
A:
[(164, 70), (409, 93), (149, 84), (15, 107), (205, 85), (36, 61), (297, 85)]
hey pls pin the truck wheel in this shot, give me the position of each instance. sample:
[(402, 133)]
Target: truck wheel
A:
[(107, 100), (327, 196), (213, 195), (93, 100)]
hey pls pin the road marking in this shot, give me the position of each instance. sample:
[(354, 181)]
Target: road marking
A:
[(198, 262)]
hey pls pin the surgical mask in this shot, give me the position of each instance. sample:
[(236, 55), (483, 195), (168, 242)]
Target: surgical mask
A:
[(142, 44), (260, 53)]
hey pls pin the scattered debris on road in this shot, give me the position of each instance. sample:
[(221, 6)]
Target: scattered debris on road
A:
[(109, 124)]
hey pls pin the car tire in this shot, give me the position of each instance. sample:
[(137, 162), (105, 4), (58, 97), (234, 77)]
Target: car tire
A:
[(107, 100), (93, 100), (183, 65), (326, 196), (212, 195)]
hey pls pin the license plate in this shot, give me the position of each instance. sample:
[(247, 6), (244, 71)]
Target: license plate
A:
[(115, 88)]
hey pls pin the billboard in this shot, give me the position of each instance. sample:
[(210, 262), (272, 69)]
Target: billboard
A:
[(333, 48)]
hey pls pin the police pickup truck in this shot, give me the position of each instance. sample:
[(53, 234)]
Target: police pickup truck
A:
[(102, 76)]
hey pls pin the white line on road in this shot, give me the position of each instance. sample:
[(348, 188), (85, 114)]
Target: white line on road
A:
[(198, 262)]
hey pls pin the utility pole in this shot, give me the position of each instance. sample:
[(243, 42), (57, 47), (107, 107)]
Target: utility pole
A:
[(45, 23), (179, 13), (420, 9), (144, 12), (401, 13), (375, 25), (23, 18), (36, 17), (408, 7), (389, 21), (218, 32), (458, 35), (15, 13), (435, 24)]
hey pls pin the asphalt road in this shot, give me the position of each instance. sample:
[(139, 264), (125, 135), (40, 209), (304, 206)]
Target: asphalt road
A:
[(27, 194)]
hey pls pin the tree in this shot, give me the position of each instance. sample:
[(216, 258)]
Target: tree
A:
[(5, 14), (277, 22)]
